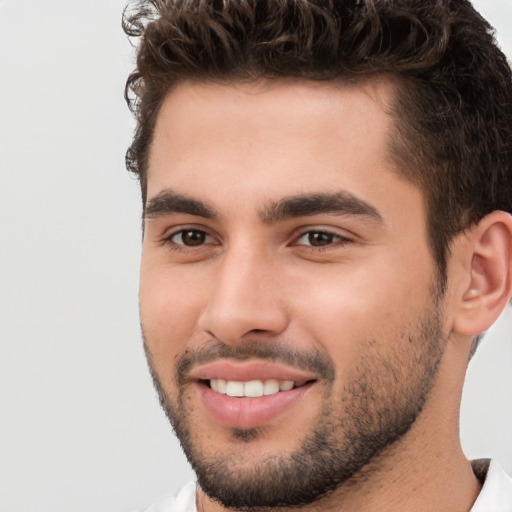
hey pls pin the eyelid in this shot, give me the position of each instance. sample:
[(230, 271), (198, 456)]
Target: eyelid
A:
[(344, 237), (171, 233), (183, 231)]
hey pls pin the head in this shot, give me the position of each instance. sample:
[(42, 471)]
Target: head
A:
[(267, 133)]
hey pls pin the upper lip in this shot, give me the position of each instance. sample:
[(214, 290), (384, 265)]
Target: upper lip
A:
[(244, 371)]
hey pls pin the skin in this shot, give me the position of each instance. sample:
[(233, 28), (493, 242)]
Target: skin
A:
[(238, 147)]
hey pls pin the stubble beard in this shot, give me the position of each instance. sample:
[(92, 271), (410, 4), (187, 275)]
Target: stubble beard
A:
[(378, 404)]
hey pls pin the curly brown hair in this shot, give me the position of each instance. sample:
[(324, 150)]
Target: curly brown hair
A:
[(453, 134)]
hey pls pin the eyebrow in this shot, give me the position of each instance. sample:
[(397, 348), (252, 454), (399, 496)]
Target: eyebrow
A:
[(338, 203), (168, 202)]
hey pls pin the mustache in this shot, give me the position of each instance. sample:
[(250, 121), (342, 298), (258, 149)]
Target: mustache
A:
[(310, 360)]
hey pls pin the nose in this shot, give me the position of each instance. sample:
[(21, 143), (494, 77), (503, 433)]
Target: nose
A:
[(245, 299)]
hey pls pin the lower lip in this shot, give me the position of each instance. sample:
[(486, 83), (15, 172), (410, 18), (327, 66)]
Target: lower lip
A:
[(250, 412)]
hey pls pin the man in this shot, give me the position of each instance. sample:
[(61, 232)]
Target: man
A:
[(327, 188)]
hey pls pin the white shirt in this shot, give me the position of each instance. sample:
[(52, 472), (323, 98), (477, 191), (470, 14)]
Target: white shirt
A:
[(496, 493), (185, 501), (495, 496)]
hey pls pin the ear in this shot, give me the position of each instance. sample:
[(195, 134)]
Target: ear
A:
[(488, 283)]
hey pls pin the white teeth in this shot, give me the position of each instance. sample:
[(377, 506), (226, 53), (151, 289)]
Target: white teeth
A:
[(271, 387), (286, 385), (235, 388), (221, 385), (251, 389)]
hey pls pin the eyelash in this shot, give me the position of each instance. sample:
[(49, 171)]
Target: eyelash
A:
[(336, 239), (179, 246)]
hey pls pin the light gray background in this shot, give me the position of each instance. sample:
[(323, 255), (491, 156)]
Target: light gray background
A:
[(80, 428)]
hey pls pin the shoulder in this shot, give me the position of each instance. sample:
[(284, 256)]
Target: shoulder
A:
[(185, 501), (496, 493)]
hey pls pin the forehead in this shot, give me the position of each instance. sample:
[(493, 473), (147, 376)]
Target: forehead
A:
[(274, 137)]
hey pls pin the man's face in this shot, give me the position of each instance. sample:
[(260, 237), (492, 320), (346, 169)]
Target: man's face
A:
[(283, 254)]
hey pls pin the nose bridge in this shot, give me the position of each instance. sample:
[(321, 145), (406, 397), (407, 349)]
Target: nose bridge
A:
[(244, 297)]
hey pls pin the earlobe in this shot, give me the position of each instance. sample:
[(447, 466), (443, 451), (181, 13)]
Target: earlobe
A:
[(489, 257)]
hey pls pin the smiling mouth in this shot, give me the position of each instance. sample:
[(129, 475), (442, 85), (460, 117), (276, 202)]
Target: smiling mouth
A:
[(253, 388)]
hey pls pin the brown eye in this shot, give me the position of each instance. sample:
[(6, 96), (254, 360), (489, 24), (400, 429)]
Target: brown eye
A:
[(318, 239), (190, 238)]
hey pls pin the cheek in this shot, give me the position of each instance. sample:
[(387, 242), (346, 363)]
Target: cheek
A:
[(169, 308), (348, 309)]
